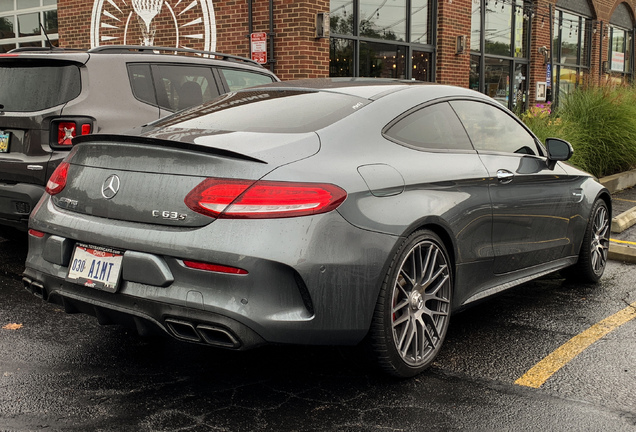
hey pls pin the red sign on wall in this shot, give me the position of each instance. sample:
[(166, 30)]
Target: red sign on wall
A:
[(258, 47)]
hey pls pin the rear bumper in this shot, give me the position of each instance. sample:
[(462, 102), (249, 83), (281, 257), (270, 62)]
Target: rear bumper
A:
[(146, 316), (16, 203), (311, 280)]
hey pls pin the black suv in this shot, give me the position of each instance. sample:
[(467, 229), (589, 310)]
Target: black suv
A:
[(48, 96)]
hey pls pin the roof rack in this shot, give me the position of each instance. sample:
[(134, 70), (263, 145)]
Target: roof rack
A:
[(43, 49), (152, 49)]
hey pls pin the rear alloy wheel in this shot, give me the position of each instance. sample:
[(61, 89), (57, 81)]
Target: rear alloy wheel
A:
[(595, 246), (413, 309)]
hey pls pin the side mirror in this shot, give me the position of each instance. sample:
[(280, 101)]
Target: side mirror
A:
[(558, 150)]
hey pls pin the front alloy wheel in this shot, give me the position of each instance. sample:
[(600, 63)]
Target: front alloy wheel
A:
[(595, 246), (413, 310)]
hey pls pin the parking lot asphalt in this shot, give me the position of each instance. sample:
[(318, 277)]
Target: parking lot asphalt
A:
[(623, 236)]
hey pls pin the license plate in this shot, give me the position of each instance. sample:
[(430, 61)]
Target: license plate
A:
[(96, 267), (4, 142)]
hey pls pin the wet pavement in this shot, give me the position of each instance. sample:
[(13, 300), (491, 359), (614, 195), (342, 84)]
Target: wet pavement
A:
[(62, 372)]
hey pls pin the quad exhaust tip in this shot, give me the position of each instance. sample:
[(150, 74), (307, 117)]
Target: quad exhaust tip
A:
[(183, 330), (203, 333), (33, 287)]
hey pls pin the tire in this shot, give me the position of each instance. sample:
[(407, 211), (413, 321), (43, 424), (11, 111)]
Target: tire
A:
[(413, 309), (595, 246)]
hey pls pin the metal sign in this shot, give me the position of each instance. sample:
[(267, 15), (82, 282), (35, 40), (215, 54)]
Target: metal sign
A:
[(258, 47)]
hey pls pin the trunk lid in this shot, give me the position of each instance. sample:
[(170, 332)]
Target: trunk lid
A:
[(153, 176)]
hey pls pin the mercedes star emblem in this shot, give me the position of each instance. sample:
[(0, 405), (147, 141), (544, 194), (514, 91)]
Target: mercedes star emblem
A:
[(110, 186)]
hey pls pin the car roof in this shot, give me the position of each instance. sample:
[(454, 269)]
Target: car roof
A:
[(368, 88), (137, 52)]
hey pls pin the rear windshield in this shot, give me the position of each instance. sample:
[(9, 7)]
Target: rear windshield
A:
[(33, 87), (275, 111)]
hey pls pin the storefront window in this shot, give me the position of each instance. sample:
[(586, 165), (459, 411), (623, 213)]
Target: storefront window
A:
[(50, 21), (22, 28), (475, 72), (341, 57), (570, 51), (497, 78), (361, 31), (475, 27), (6, 5), (380, 19), (498, 31), (29, 24), (620, 55), (380, 60), (26, 4), (619, 52), (6, 27), (341, 17), (500, 71), (422, 66), (568, 80), (421, 22)]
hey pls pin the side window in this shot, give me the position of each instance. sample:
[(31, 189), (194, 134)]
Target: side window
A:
[(491, 129), (141, 83), (239, 79), (432, 127), (180, 86)]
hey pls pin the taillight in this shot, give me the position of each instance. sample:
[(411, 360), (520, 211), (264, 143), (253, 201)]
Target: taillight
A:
[(214, 267), (247, 199), (35, 233), (64, 130), (57, 182)]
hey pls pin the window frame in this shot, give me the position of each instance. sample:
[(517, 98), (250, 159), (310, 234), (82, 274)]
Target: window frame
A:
[(39, 39), (405, 49), (583, 48)]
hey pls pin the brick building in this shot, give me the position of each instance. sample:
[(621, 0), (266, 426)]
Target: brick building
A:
[(517, 51)]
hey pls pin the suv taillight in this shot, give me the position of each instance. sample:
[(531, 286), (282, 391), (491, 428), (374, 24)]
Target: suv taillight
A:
[(249, 199), (64, 130)]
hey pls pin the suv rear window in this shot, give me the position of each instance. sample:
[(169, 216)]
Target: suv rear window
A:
[(268, 110), (239, 79), (49, 85)]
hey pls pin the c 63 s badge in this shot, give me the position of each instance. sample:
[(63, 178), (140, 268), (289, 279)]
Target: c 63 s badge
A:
[(169, 215)]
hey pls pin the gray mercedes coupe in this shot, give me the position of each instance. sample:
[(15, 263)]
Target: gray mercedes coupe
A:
[(328, 211)]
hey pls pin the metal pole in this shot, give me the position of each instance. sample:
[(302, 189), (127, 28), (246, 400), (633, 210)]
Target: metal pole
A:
[(271, 60), (250, 25)]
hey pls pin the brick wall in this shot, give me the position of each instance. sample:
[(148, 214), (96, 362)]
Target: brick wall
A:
[(454, 20), (296, 53)]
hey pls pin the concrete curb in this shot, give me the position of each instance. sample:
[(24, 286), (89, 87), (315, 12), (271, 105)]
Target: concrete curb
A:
[(620, 181), (624, 220), (622, 253), (620, 223)]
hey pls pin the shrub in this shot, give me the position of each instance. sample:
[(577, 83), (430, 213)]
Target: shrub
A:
[(599, 122)]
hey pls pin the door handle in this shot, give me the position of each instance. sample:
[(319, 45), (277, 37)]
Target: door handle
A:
[(504, 176)]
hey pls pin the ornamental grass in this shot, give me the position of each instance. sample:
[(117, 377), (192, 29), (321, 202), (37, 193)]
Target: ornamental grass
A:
[(599, 122)]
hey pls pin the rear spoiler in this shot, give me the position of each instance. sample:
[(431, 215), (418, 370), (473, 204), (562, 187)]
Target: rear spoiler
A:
[(132, 139)]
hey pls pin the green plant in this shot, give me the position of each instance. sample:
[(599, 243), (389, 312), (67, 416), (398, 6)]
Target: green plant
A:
[(599, 122)]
